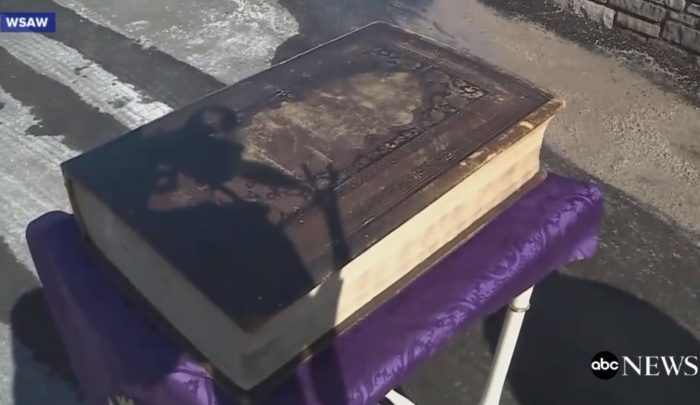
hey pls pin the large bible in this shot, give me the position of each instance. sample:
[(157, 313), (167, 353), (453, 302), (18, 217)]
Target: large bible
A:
[(283, 208)]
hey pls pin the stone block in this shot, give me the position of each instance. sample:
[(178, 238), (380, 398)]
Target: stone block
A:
[(684, 36), (598, 13), (677, 5), (694, 9), (683, 18), (637, 25), (641, 8)]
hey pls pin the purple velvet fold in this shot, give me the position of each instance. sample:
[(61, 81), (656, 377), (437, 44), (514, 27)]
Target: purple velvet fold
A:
[(115, 351)]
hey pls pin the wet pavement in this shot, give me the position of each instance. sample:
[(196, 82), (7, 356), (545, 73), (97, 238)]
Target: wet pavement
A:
[(632, 126)]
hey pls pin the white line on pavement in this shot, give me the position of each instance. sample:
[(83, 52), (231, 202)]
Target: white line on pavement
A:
[(30, 179), (228, 39), (92, 83)]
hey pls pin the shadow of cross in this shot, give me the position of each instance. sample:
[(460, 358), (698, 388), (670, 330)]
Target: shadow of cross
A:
[(192, 193)]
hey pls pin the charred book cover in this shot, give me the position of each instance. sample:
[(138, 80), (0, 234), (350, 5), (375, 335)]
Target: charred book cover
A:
[(275, 211)]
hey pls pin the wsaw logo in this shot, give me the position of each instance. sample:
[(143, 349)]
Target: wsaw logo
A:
[(606, 365), (27, 22)]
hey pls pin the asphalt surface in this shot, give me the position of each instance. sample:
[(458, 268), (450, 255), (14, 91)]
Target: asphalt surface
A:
[(632, 126)]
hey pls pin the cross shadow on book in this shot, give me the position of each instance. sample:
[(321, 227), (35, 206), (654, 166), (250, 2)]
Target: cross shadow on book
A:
[(199, 199)]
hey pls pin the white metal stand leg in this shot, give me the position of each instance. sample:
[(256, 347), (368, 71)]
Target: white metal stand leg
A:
[(398, 399), (505, 348)]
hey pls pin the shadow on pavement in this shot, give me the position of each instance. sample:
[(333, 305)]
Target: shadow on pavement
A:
[(36, 345), (42, 372), (636, 297), (572, 320)]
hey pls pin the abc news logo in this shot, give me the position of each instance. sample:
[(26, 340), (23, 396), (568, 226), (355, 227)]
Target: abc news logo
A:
[(606, 365)]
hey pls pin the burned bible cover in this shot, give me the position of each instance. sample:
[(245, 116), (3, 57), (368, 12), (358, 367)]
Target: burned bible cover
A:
[(269, 213)]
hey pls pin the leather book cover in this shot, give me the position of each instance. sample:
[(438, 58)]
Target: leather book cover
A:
[(260, 191)]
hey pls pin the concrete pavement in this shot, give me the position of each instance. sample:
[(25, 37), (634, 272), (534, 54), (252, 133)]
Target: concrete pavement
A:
[(632, 125)]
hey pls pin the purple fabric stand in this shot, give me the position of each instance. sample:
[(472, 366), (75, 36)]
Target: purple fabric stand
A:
[(116, 352)]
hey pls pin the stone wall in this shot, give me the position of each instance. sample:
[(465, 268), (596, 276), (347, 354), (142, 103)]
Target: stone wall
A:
[(669, 23)]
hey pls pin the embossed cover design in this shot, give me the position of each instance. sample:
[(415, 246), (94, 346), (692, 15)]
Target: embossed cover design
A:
[(346, 141)]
